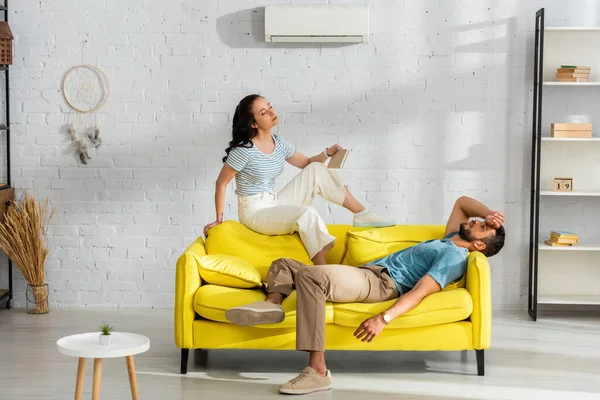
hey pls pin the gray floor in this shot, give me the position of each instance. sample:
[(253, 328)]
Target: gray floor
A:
[(555, 357)]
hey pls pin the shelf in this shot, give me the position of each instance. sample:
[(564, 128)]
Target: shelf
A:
[(550, 83), (573, 193), (572, 29), (576, 247), (553, 139), (568, 299)]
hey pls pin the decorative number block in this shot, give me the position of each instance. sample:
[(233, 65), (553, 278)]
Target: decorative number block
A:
[(563, 184)]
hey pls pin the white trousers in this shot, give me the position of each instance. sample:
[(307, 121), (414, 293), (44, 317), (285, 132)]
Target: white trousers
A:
[(289, 210)]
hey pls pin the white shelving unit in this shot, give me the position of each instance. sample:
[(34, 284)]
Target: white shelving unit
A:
[(569, 299), (580, 247), (571, 83), (564, 275), (554, 139), (570, 194)]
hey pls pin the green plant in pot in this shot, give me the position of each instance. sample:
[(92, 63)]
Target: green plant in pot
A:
[(104, 337)]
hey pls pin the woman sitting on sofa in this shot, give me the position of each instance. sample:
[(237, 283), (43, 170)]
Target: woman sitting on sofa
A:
[(256, 157)]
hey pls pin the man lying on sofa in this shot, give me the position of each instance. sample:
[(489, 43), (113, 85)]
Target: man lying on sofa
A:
[(409, 275)]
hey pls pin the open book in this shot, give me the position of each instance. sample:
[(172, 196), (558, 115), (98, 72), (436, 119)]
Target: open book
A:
[(338, 159)]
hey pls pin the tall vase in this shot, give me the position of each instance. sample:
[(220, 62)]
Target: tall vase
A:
[(37, 299)]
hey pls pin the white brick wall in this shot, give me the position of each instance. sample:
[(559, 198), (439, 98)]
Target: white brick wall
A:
[(435, 106)]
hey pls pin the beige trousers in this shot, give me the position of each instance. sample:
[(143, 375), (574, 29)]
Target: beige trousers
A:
[(289, 210), (317, 284)]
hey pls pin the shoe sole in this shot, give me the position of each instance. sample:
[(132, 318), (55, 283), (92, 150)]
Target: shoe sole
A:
[(250, 316), (374, 225), (304, 391)]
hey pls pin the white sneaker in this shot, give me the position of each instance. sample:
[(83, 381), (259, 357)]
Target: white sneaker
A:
[(257, 313), (307, 382), (372, 219)]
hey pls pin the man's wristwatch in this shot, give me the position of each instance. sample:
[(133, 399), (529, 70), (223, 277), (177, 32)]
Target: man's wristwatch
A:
[(387, 318)]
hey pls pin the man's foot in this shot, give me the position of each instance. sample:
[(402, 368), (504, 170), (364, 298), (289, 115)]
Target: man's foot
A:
[(307, 382), (260, 312), (372, 219)]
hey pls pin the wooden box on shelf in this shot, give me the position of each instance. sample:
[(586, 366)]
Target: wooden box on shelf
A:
[(563, 184), (570, 130), (6, 44)]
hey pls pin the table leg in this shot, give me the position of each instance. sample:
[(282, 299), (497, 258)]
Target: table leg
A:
[(97, 378), (80, 376), (132, 378)]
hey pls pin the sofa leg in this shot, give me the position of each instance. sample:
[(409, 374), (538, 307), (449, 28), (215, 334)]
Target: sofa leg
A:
[(184, 360), (201, 357), (480, 362)]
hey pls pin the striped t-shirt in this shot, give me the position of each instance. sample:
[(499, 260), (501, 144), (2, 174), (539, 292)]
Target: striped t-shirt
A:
[(257, 171)]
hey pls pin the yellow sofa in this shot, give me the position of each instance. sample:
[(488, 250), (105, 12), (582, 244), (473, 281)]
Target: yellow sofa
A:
[(457, 318)]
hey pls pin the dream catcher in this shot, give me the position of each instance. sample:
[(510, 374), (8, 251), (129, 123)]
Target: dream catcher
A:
[(86, 89)]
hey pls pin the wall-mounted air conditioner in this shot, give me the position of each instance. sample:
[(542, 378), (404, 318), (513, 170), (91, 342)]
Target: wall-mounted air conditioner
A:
[(289, 23)]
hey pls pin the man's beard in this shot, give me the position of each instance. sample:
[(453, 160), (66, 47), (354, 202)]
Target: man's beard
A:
[(465, 234)]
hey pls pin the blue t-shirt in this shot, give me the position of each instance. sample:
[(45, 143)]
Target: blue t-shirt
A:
[(256, 170), (440, 258)]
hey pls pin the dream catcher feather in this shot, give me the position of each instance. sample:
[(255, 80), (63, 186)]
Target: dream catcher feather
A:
[(86, 89)]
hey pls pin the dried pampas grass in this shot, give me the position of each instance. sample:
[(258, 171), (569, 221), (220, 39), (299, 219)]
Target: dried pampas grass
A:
[(23, 238)]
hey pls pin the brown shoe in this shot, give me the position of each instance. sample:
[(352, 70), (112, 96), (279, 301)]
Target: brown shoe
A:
[(307, 382), (260, 312)]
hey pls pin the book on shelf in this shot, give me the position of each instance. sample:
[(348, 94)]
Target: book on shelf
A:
[(559, 240), (555, 244), (573, 79), (562, 238), (583, 67), (564, 234), (573, 73)]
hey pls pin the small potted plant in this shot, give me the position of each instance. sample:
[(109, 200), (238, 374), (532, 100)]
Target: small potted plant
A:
[(104, 336)]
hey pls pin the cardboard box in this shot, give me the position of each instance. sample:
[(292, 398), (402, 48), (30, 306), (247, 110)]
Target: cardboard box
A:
[(570, 130)]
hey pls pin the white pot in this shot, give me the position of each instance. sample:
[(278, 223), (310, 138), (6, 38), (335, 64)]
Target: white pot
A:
[(104, 339)]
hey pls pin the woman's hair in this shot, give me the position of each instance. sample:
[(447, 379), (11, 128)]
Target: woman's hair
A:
[(243, 119)]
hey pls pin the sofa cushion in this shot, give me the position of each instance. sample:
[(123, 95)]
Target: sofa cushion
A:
[(373, 244), (235, 239), (335, 255), (366, 246), (226, 270), (211, 302), (438, 308)]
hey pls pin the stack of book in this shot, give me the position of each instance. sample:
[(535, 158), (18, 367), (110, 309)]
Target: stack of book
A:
[(562, 238), (573, 73)]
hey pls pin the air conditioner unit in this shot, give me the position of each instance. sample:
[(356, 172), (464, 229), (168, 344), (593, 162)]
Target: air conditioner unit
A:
[(289, 23)]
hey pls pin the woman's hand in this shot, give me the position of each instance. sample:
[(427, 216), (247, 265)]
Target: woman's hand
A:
[(333, 149), (212, 224)]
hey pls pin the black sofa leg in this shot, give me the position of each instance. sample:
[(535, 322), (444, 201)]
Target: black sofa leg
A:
[(480, 362), (184, 360)]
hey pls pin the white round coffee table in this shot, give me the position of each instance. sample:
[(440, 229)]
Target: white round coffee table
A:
[(86, 345)]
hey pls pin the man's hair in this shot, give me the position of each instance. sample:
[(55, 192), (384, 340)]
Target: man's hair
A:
[(494, 243)]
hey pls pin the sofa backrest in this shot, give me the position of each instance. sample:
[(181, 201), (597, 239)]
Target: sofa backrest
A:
[(233, 238)]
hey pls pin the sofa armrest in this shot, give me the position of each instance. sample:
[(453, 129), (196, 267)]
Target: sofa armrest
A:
[(187, 282), (479, 285)]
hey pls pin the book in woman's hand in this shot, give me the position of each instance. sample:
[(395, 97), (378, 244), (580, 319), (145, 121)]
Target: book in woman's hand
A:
[(338, 159)]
